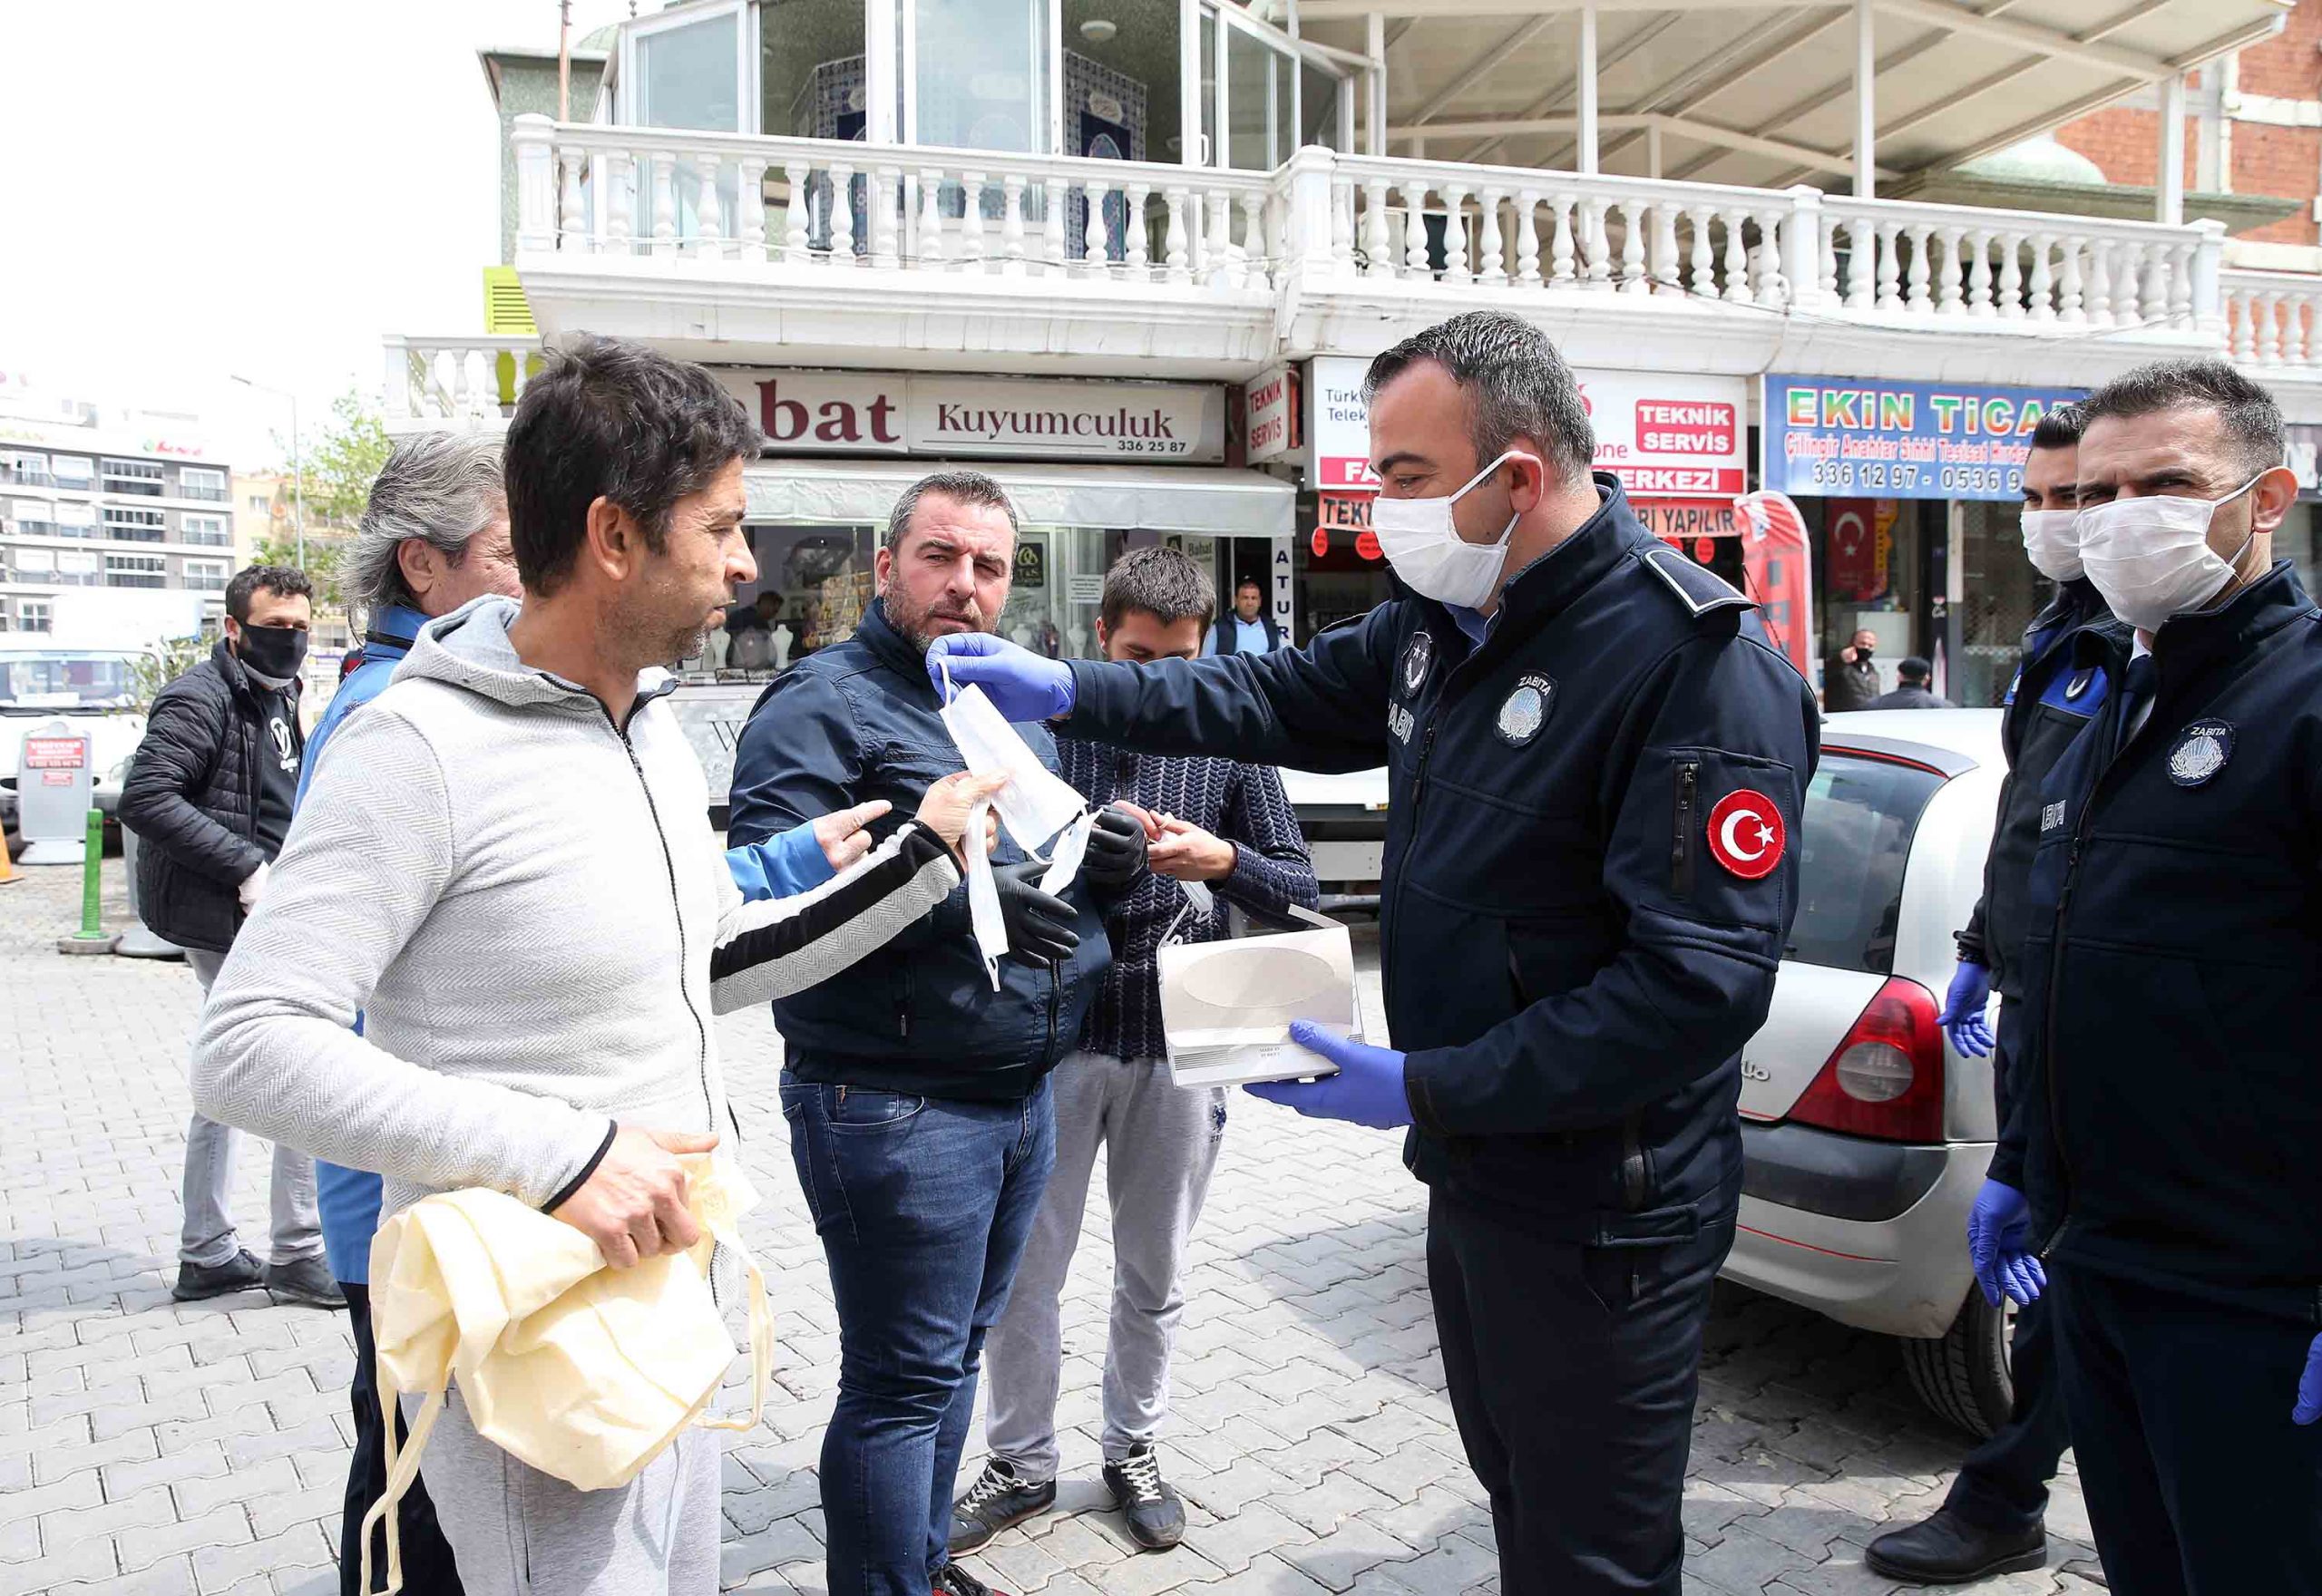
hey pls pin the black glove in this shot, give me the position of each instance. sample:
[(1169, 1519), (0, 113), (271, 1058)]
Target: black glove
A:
[(1040, 924), (1116, 855)]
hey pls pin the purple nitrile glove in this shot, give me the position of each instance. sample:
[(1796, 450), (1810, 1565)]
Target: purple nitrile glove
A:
[(1962, 1018), (2309, 1388), (1022, 684), (1996, 1227), (1368, 1090)]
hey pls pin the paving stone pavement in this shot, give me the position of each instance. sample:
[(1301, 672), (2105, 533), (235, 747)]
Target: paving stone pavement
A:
[(150, 1448)]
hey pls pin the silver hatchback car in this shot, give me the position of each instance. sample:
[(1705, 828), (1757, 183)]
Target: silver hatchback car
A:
[(1865, 1136)]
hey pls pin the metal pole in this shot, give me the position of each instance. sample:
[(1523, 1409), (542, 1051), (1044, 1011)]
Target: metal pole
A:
[(90, 938), (298, 483), (2170, 200), (1587, 68), (564, 60), (1865, 120), (1374, 82)]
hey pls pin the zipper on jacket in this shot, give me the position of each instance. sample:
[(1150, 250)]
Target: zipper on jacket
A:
[(677, 907), (1680, 842), (1632, 1172)]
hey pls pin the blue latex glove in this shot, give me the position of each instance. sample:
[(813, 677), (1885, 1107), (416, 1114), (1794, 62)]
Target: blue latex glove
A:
[(2309, 1388), (1963, 1018), (1367, 1090), (1996, 1228), (1022, 684)]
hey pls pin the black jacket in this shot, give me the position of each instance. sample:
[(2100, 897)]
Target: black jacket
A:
[(2170, 1114), (1911, 696), (859, 721), (192, 797), (1848, 687), (2049, 704), (1590, 869)]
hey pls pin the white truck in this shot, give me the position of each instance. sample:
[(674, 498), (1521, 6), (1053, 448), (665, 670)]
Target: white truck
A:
[(84, 669)]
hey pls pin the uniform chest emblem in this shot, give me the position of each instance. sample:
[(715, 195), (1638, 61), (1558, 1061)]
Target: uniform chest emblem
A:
[(2077, 688), (1746, 834), (1524, 710), (1419, 654), (2200, 752)]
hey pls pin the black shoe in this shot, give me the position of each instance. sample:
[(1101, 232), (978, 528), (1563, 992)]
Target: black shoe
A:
[(306, 1281), (997, 1499), (1945, 1549), (1157, 1518), (198, 1283), (952, 1579)]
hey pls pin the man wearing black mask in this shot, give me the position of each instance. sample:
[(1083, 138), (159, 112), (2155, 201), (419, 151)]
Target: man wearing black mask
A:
[(210, 795)]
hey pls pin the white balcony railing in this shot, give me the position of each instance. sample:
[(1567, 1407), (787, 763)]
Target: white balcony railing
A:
[(468, 381), (2273, 318)]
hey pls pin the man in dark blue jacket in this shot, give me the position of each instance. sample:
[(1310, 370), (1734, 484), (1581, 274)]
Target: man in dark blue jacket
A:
[(2157, 1182), (921, 1119), (1595, 767), (1992, 1521)]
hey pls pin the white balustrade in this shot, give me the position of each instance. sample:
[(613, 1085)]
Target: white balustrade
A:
[(2273, 318), (456, 382)]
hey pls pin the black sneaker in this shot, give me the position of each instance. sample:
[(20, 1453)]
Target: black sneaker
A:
[(305, 1280), (952, 1579), (198, 1283), (997, 1499), (1157, 1518)]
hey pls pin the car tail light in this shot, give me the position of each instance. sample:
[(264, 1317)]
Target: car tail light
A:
[(1886, 1079)]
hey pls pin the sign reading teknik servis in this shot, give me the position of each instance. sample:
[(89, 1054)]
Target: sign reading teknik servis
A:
[(1021, 418), (1846, 436)]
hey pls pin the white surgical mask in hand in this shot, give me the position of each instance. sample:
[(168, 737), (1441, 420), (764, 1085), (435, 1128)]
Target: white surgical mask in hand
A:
[(2051, 543), (1423, 544), (2150, 558)]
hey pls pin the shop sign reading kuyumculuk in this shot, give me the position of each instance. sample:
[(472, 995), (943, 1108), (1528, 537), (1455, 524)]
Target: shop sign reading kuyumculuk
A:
[(942, 415), (1667, 435)]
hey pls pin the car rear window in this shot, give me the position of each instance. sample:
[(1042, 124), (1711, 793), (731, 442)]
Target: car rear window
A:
[(1860, 812)]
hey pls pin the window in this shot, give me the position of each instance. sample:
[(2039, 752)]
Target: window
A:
[(34, 564), (75, 520), (26, 465), (206, 575), (136, 526), (979, 73), (687, 69), (32, 518), (133, 476), (79, 568), (75, 470), (135, 571), (205, 528), (32, 615), (199, 483), (1856, 838), (259, 503)]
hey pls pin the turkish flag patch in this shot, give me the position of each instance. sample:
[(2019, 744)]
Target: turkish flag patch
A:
[(1746, 834)]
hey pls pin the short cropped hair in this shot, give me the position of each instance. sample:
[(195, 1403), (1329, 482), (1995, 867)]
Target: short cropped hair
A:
[(442, 488), (1249, 582), (1517, 385), (284, 582), (1165, 583), (2253, 423), (963, 487), (2060, 428), (606, 418)]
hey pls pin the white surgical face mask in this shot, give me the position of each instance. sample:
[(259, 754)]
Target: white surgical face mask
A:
[(2151, 557), (2051, 543), (1423, 544)]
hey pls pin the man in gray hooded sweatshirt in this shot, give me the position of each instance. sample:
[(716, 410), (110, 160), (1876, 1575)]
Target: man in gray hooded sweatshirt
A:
[(507, 866)]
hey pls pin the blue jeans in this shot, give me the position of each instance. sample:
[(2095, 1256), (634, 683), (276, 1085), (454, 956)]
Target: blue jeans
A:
[(923, 1205)]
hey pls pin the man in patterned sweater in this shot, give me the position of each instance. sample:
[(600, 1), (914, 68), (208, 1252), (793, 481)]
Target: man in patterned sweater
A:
[(1228, 826)]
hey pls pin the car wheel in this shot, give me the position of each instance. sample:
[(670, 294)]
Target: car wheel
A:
[(1963, 1374)]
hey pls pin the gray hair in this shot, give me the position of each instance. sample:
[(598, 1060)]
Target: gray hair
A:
[(965, 487), (441, 487), (1516, 384)]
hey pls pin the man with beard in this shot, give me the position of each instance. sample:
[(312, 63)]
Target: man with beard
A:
[(917, 1095)]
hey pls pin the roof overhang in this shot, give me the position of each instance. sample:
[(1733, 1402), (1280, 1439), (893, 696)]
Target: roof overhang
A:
[(1762, 95)]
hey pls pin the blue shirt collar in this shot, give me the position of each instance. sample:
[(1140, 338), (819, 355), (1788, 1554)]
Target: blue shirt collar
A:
[(1474, 622), (391, 631)]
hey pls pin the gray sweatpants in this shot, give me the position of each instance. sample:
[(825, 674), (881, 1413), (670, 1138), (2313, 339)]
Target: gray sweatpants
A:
[(1160, 1144), (207, 1236), (517, 1532)]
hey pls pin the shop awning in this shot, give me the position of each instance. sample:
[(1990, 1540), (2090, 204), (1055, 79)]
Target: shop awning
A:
[(1209, 500)]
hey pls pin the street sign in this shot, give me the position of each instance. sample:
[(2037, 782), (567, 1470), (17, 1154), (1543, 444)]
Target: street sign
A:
[(55, 777)]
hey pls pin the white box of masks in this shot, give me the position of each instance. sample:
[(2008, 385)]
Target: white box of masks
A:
[(1226, 1007)]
